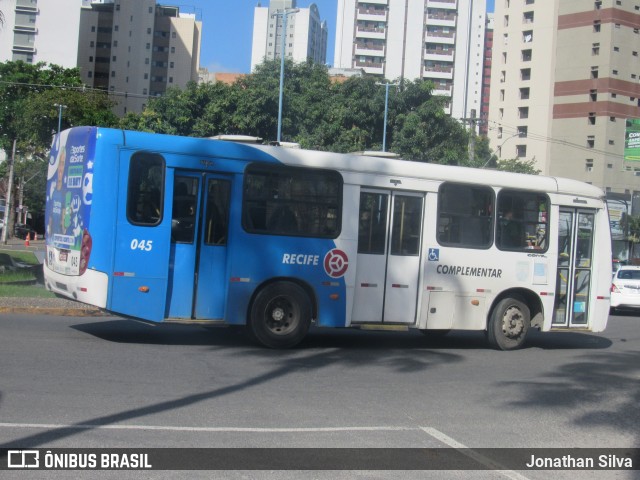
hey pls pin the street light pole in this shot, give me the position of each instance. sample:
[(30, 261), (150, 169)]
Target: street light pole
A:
[(7, 207), (60, 108), (386, 109), (284, 14)]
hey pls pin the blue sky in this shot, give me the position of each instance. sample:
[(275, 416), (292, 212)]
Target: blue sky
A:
[(227, 27)]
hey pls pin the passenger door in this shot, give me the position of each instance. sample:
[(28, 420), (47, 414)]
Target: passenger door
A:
[(140, 268), (573, 280), (197, 274), (388, 261)]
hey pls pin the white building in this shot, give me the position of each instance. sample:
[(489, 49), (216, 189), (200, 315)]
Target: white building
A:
[(40, 31), (438, 40), (306, 35)]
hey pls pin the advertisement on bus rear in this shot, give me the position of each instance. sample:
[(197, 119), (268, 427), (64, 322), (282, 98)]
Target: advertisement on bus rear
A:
[(68, 203)]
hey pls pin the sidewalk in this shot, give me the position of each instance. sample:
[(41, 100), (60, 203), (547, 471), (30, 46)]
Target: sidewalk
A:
[(38, 305)]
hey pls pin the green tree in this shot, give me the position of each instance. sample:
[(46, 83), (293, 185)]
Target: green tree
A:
[(28, 94), (518, 166)]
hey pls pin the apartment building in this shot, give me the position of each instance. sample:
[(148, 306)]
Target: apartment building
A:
[(439, 40), (565, 79), (305, 37), (136, 50), (36, 31), (486, 76)]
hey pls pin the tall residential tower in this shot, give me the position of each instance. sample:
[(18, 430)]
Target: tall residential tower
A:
[(136, 50), (439, 40), (305, 38), (564, 81), (36, 31)]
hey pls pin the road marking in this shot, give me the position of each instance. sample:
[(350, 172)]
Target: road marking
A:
[(207, 429), (469, 452)]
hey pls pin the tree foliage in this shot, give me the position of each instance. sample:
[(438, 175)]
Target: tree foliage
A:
[(28, 116)]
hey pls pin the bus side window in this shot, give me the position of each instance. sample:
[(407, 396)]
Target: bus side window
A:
[(523, 220), (292, 201), (145, 190), (465, 215)]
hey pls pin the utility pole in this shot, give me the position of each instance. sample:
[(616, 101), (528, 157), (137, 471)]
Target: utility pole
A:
[(472, 121), (8, 207), (284, 14)]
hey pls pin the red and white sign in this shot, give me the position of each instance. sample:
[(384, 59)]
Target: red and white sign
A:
[(336, 263)]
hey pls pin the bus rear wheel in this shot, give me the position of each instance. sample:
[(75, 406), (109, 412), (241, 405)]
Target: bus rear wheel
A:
[(509, 324), (280, 315)]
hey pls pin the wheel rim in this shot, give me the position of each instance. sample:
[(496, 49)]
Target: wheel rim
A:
[(281, 316), (513, 322)]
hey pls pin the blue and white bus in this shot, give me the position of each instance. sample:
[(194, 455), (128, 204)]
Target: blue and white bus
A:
[(210, 232)]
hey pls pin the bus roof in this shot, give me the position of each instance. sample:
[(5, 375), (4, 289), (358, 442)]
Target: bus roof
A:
[(359, 163)]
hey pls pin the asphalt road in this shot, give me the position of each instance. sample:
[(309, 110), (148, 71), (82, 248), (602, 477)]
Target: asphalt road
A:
[(108, 382)]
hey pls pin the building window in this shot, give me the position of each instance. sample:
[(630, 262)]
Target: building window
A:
[(596, 26), (595, 49), (524, 93), (526, 55), (591, 141), (525, 74), (612, 142), (616, 49), (598, 5), (592, 118), (521, 151), (522, 131), (594, 72), (612, 119), (527, 36), (527, 17), (593, 95), (588, 165), (523, 112)]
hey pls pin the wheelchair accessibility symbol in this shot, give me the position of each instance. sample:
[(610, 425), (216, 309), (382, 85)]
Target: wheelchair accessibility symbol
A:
[(434, 254)]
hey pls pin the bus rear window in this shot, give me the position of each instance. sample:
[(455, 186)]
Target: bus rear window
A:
[(292, 201), (145, 192)]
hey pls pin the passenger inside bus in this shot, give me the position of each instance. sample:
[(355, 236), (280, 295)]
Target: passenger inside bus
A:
[(510, 233)]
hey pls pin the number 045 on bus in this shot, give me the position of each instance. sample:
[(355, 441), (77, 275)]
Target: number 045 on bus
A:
[(193, 230)]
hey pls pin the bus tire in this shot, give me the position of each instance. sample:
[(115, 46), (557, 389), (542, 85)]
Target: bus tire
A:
[(280, 315), (509, 324)]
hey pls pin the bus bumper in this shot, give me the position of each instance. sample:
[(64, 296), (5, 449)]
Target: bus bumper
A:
[(90, 287)]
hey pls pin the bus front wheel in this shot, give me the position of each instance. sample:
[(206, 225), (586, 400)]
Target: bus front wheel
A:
[(509, 323), (280, 315)]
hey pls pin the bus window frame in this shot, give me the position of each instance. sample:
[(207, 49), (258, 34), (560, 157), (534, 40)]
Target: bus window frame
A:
[(524, 248), (132, 164), (282, 170), (491, 216)]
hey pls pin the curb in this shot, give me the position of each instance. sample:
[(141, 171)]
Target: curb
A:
[(64, 312)]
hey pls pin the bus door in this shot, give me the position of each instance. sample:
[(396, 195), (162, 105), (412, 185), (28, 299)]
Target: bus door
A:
[(140, 265), (575, 254), (197, 286), (388, 263)]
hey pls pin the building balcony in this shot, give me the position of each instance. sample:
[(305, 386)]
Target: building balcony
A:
[(370, 50), (370, 15), (23, 6), (438, 73), (370, 32), (440, 37), (439, 55), (24, 49), (449, 4), (441, 20), (370, 67), (25, 29), (377, 2)]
